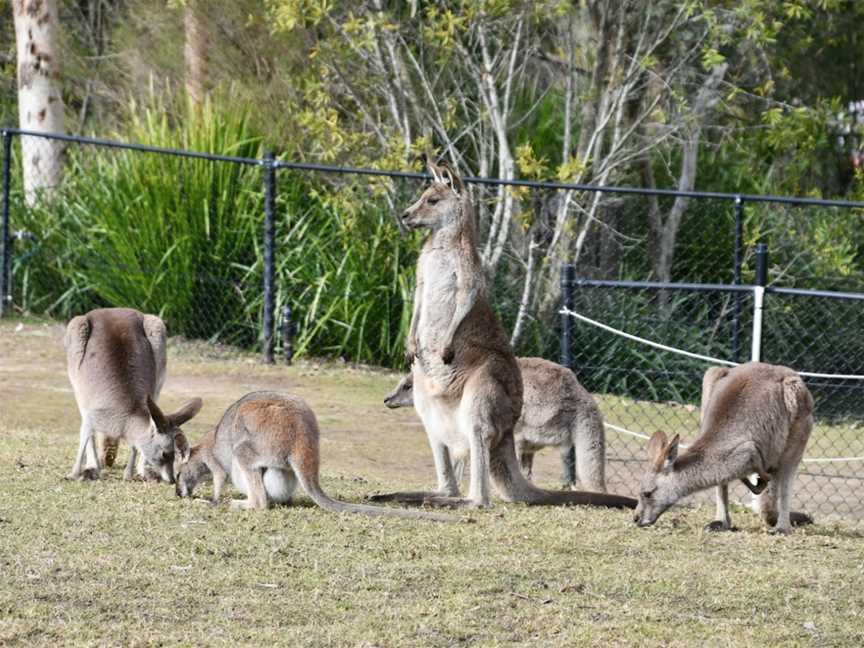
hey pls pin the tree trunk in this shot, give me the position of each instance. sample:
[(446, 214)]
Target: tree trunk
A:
[(195, 53), (665, 231), (40, 105)]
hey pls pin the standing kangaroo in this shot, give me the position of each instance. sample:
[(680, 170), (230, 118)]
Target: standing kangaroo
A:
[(266, 442), (557, 412), (756, 418), (467, 385), (116, 361)]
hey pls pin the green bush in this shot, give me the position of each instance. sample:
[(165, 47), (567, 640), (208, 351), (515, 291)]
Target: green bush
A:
[(182, 238), (163, 234)]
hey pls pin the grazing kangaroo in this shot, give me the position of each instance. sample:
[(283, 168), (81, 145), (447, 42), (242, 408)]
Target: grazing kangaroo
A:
[(467, 385), (116, 363), (722, 521), (757, 418), (266, 442), (557, 412)]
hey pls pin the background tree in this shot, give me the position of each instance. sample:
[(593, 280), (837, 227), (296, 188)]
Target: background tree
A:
[(40, 104)]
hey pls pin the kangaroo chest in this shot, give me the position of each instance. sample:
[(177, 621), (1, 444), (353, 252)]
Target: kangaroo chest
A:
[(439, 268)]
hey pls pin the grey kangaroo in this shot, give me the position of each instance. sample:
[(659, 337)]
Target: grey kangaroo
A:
[(267, 442), (756, 418), (557, 412), (116, 362), (467, 386)]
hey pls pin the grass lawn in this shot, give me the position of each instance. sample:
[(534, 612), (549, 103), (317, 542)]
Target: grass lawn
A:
[(116, 563)]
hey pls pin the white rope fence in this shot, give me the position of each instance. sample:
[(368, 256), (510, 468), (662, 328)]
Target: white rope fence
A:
[(639, 435), (689, 354), (698, 356)]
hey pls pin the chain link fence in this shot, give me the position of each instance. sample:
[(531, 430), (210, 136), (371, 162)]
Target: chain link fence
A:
[(642, 349), (251, 252)]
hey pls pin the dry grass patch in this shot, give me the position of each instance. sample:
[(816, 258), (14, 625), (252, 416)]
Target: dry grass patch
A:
[(116, 563)]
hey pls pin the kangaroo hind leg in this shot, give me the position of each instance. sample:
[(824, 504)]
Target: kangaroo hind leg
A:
[(256, 493)]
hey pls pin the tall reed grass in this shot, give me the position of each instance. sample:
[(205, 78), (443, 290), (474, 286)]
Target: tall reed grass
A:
[(183, 238)]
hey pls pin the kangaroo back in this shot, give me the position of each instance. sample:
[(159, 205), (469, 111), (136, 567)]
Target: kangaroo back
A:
[(115, 359)]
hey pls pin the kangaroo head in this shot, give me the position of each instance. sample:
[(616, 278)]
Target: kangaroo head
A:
[(403, 395), (159, 443), (441, 204), (189, 467), (657, 489)]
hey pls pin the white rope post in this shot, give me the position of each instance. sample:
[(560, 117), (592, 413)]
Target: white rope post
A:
[(759, 300)]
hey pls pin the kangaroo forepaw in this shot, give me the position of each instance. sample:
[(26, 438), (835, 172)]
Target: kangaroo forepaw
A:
[(447, 355), (797, 518), (757, 488), (718, 525)]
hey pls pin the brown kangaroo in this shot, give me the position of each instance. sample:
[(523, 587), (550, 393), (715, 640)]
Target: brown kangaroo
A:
[(557, 412), (467, 385), (115, 358), (756, 418), (267, 442)]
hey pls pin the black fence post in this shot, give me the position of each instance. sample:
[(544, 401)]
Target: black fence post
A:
[(736, 277), (269, 244), (568, 281), (5, 238), (288, 331)]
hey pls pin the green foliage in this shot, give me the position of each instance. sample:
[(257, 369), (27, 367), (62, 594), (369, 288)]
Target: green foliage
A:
[(181, 238), (348, 277), (162, 234)]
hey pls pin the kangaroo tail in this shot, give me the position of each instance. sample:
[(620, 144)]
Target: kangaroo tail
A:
[(313, 489), (513, 487)]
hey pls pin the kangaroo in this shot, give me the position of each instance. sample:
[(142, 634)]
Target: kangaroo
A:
[(266, 442), (557, 411), (467, 386), (116, 363), (757, 418), (722, 523)]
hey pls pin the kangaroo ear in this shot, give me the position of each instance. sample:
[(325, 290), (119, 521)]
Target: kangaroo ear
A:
[(434, 170), (451, 179), (181, 446), (186, 412), (656, 445), (162, 423), (672, 450)]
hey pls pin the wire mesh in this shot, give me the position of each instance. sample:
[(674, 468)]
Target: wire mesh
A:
[(182, 237), (641, 389), (176, 237)]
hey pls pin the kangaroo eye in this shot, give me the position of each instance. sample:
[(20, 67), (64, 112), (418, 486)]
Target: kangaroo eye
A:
[(648, 493), (433, 201)]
